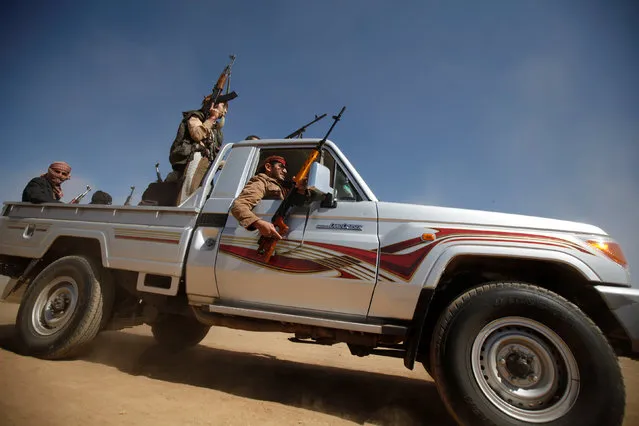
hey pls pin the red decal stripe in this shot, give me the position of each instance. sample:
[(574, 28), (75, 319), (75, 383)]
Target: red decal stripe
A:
[(363, 255), (284, 263), (404, 265), (149, 239), (402, 245)]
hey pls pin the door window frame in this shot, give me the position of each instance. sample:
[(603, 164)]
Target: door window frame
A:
[(277, 149)]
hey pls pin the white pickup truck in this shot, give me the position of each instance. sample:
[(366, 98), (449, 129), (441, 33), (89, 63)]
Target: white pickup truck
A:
[(518, 319)]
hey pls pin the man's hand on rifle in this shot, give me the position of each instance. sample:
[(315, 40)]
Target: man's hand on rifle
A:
[(201, 147), (301, 186), (267, 229), (217, 111)]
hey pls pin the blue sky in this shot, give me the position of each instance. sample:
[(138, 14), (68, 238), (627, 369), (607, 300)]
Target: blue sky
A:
[(526, 107)]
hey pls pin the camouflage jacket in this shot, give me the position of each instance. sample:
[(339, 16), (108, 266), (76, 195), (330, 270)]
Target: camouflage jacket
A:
[(192, 130)]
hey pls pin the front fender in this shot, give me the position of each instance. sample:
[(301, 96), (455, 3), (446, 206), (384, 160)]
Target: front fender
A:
[(546, 254), (433, 278)]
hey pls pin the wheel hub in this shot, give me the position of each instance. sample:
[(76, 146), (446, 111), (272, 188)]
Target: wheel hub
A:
[(59, 304), (525, 369), (54, 306), (519, 366)]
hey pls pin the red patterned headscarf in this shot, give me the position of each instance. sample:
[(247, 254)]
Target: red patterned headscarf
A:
[(270, 160), (58, 172)]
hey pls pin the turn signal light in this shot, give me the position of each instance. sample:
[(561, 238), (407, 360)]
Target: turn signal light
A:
[(610, 249)]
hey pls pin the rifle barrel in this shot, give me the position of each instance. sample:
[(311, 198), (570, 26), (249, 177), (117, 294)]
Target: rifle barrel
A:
[(302, 129), (266, 245), (157, 172), (128, 198)]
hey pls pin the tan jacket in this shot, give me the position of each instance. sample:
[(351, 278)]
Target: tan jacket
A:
[(200, 131), (259, 187)]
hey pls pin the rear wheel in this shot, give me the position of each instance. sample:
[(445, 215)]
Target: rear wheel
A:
[(177, 332), (516, 354), (62, 309)]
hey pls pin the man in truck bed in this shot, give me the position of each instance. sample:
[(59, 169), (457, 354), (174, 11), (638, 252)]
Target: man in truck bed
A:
[(47, 188), (198, 140)]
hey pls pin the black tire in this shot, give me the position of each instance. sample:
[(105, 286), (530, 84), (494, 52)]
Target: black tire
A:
[(497, 339), (178, 332), (107, 285), (55, 327)]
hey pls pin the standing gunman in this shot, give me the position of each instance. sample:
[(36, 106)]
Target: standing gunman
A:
[(198, 134), (199, 137)]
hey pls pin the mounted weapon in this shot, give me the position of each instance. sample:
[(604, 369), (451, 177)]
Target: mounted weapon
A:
[(300, 132)]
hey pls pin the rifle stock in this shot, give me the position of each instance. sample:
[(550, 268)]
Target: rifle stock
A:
[(306, 167), (266, 245)]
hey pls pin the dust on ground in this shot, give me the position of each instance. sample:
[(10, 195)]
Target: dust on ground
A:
[(232, 378)]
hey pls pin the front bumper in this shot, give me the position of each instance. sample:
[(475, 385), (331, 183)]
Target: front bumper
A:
[(624, 304)]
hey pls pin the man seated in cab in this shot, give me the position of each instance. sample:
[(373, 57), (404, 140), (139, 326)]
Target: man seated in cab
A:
[(269, 183)]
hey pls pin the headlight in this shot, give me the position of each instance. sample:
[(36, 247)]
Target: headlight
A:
[(611, 249)]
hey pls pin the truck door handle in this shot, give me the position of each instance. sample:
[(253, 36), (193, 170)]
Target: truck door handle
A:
[(28, 231)]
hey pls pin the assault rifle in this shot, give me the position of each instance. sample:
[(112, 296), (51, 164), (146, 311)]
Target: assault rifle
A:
[(219, 87), (299, 132), (266, 245), (127, 202), (157, 173), (77, 199)]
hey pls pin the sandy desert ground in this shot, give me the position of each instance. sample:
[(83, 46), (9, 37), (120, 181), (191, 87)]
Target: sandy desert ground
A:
[(232, 378)]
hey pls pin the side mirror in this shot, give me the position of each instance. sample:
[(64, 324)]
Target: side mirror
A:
[(328, 202), (319, 179)]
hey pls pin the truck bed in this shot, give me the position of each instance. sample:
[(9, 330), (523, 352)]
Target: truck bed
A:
[(136, 238)]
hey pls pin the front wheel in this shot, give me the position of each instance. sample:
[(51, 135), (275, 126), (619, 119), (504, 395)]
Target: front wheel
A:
[(516, 354)]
